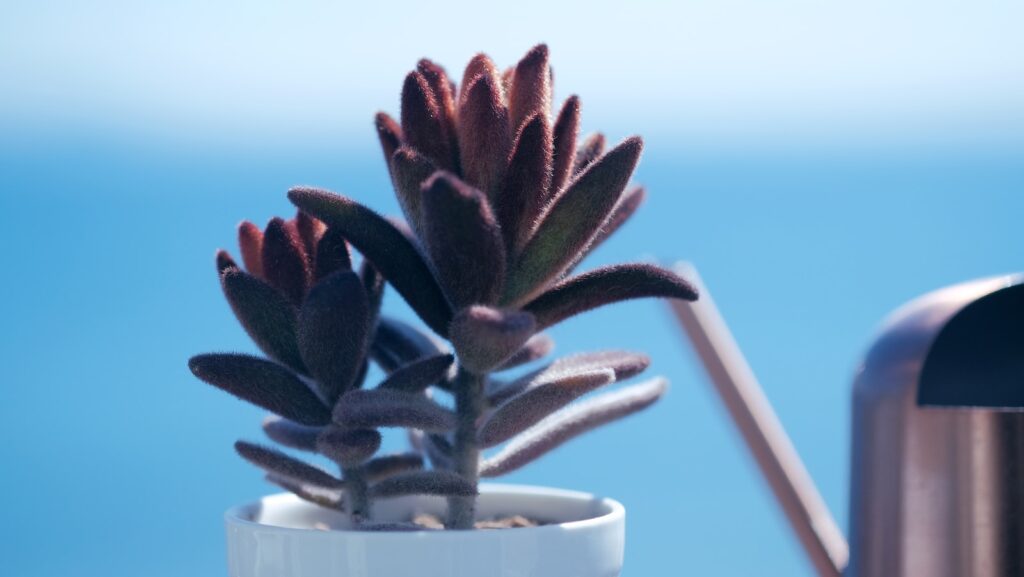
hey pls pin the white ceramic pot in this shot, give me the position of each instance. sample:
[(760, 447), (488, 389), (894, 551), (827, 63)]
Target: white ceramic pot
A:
[(279, 537)]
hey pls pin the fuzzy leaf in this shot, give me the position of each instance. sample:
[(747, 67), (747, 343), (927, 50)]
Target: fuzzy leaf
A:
[(418, 375), (526, 183), (484, 134), (409, 170), (265, 313), (310, 231), (389, 133), (566, 131), (531, 87), (605, 286), (284, 260), (485, 338), (250, 242), (291, 434), (442, 483), (334, 330), (348, 447), (539, 346), (444, 96), (332, 254), (375, 408), (537, 401), (224, 261), (263, 383), (280, 464), (397, 343), (571, 221), (389, 465), (398, 259), (588, 152), (463, 239), (423, 125), (479, 65), (373, 284), (628, 204), (326, 498), (624, 365), (563, 426)]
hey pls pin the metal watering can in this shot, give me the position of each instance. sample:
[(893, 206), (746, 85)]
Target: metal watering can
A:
[(937, 461)]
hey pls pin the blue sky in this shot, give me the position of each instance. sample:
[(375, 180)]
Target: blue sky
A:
[(820, 162)]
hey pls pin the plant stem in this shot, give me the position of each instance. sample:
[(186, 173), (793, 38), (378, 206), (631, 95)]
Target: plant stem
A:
[(469, 405), (356, 490)]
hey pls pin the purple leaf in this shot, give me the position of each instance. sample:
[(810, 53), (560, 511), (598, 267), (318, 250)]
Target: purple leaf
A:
[(263, 383), (588, 152), (291, 434), (224, 261), (290, 468), (373, 284), (418, 375), (567, 129), (624, 364), (442, 483), (628, 204), (310, 230), (348, 447), (463, 239), (539, 346), (530, 93), (398, 260), (526, 183), (563, 426), (443, 92), (370, 409), (389, 133), (397, 343), (479, 65), (484, 337), (537, 401), (334, 331), (250, 242), (389, 465), (484, 134), (332, 254), (284, 260), (423, 124), (605, 286), (326, 498), (409, 170), (571, 221), (265, 313)]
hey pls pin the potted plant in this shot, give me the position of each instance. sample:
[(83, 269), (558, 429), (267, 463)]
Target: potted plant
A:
[(500, 206)]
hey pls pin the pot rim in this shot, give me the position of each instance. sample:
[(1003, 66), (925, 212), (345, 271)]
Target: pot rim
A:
[(615, 511)]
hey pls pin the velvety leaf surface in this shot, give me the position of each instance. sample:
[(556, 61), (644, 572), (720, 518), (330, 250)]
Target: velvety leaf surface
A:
[(588, 152), (538, 347), (418, 375), (250, 242), (443, 483), (566, 131), (290, 468), (623, 364), (484, 337), (537, 401), (388, 465), (463, 239), (332, 254), (373, 284), (348, 447), (326, 498), (391, 252), (422, 121), (265, 313), (479, 65), (284, 260), (224, 261), (398, 343), (569, 423), (409, 170), (626, 207), (334, 331), (571, 221), (485, 138), (605, 286), (291, 434), (375, 408), (310, 230), (531, 87), (443, 92), (390, 134), (526, 183), (263, 383)]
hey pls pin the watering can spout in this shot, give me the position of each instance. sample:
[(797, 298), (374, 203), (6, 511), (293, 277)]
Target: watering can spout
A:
[(760, 428)]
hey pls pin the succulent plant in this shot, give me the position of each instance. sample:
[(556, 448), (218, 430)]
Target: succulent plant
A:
[(502, 204)]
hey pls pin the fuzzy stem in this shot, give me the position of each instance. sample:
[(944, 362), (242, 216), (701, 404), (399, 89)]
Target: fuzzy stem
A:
[(356, 490), (469, 405)]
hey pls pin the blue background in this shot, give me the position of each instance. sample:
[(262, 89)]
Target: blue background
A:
[(821, 163)]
